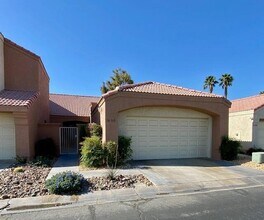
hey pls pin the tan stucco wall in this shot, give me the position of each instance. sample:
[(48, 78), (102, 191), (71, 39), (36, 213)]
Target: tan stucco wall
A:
[(21, 69), (22, 134), (25, 72), (217, 108), (241, 127), (2, 76)]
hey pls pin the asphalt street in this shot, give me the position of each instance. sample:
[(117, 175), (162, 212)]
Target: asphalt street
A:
[(239, 204)]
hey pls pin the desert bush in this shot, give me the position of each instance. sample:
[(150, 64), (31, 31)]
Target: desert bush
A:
[(21, 160), (92, 152), (41, 161), (229, 148), (45, 148), (95, 130), (112, 173), (65, 183), (124, 149), (112, 154)]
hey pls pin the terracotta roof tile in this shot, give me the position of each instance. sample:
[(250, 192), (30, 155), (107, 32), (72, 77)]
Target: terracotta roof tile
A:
[(248, 103), (71, 105), (161, 88), (17, 98)]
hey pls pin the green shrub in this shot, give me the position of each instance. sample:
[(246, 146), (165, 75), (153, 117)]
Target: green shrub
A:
[(252, 149), (112, 173), (95, 130), (112, 154), (21, 160), (229, 148), (124, 149), (65, 183), (92, 152), (41, 161)]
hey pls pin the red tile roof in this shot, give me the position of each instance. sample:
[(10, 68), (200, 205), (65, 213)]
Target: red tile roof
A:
[(71, 105), (249, 103), (17, 98), (161, 88)]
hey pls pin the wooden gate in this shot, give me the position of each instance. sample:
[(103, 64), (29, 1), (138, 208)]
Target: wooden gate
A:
[(68, 140)]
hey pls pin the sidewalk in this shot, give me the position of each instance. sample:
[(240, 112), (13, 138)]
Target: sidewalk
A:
[(129, 194), (71, 163)]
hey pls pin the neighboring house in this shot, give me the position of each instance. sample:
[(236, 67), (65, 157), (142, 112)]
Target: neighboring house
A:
[(246, 121), (27, 113), (164, 121)]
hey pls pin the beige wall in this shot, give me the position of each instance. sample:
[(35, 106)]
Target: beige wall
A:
[(21, 69), (241, 127), (217, 108), (2, 75)]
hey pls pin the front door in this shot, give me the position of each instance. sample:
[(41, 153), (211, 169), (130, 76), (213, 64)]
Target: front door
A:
[(68, 140)]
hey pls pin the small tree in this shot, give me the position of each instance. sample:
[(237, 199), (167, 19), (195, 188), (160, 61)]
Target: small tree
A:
[(225, 81), (261, 92), (120, 77), (210, 82)]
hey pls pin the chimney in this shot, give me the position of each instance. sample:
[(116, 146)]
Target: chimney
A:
[(2, 74)]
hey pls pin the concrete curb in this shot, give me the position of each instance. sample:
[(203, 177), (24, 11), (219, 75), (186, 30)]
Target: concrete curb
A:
[(129, 194)]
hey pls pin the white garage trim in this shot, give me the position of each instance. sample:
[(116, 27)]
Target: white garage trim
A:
[(7, 137), (167, 132)]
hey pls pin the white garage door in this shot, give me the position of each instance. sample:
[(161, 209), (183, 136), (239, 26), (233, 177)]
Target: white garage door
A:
[(167, 137), (7, 137)]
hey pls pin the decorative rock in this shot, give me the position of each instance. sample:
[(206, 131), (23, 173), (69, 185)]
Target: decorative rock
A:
[(31, 182), (5, 197), (120, 182)]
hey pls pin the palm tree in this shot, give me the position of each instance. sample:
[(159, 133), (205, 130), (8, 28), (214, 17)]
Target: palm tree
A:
[(225, 81), (210, 82)]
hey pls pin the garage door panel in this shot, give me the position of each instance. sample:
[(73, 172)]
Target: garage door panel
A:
[(163, 133), (174, 123), (153, 133), (162, 138), (7, 137)]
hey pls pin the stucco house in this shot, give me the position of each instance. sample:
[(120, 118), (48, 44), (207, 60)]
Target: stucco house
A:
[(246, 121), (27, 111), (164, 121)]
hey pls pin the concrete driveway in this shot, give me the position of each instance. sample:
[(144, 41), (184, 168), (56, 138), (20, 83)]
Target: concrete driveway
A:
[(6, 163), (185, 171)]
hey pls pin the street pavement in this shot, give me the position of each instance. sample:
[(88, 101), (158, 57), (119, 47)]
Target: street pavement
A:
[(242, 203)]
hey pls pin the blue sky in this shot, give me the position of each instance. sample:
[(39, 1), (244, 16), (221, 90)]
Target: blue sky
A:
[(169, 41)]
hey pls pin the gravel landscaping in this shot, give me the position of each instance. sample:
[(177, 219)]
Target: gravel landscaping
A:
[(24, 182), (119, 182), (245, 161), (29, 181)]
